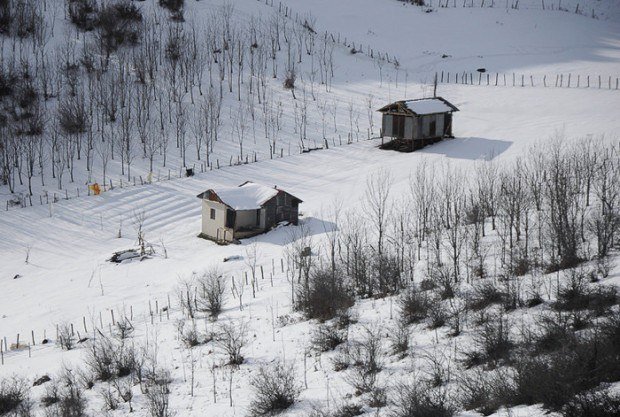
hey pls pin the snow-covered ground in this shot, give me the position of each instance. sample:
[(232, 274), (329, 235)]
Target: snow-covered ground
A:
[(53, 266)]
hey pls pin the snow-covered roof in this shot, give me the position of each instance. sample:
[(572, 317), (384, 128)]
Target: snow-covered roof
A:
[(420, 107), (428, 106), (248, 196)]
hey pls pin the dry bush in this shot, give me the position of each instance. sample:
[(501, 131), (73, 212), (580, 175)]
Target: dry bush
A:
[(485, 392), (173, 6), (124, 329), (416, 399), (578, 294), (119, 24), (493, 343), (52, 394), (327, 337), (72, 116), (158, 393), (66, 338), (601, 403), (437, 315), (231, 338), (552, 331), (15, 397), (210, 293), (414, 306), (399, 339), (69, 399), (109, 397), (366, 361), (83, 13), (443, 276), (344, 410), (483, 295), (386, 275), (276, 388), (107, 359), (323, 295), (289, 80)]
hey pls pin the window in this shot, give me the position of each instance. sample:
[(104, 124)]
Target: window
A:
[(212, 214)]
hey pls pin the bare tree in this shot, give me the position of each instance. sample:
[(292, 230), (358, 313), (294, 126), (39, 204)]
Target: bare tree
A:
[(231, 338), (211, 290)]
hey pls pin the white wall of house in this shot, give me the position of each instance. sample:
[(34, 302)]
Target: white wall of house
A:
[(215, 228)]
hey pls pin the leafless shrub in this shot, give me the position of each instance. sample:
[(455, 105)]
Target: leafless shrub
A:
[(119, 23), (109, 397), (124, 329), (386, 275), (66, 338), (327, 337), (399, 339), (72, 115), (443, 276), (71, 401), (415, 399), (414, 306), (493, 342), (191, 336), (599, 403), (366, 359), (485, 391), (186, 294), (483, 295), (15, 397), (123, 387), (52, 394), (437, 315), (231, 338), (108, 359), (289, 80), (550, 333), (323, 295), (100, 358), (438, 367), (577, 294), (83, 13), (344, 410), (157, 396), (275, 389), (210, 294), (173, 6)]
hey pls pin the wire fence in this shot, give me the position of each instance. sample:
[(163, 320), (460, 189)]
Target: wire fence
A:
[(50, 197), (24, 345), (496, 79)]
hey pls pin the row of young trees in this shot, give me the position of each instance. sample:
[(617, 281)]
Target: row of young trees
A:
[(553, 208), (127, 82)]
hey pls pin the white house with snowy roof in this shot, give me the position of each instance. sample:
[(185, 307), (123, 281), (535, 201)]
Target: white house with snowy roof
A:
[(232, 213), (412, 124)]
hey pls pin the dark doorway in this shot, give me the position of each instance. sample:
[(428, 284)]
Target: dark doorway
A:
[(230, 218), (398, 126)]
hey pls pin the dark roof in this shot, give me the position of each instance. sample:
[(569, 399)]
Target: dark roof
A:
[(420, 106)]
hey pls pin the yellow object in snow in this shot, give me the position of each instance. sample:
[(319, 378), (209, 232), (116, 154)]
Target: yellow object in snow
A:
[(95, 189)]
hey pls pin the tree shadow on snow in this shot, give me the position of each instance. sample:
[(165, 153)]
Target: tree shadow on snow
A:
[(468, 148)]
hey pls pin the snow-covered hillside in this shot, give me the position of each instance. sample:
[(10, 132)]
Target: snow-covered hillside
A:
[(55, 270)]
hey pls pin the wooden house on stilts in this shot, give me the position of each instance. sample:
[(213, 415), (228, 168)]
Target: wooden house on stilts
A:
[(413, 124)]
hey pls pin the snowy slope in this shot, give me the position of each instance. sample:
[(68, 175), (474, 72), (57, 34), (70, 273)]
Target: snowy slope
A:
[(67, 243)]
